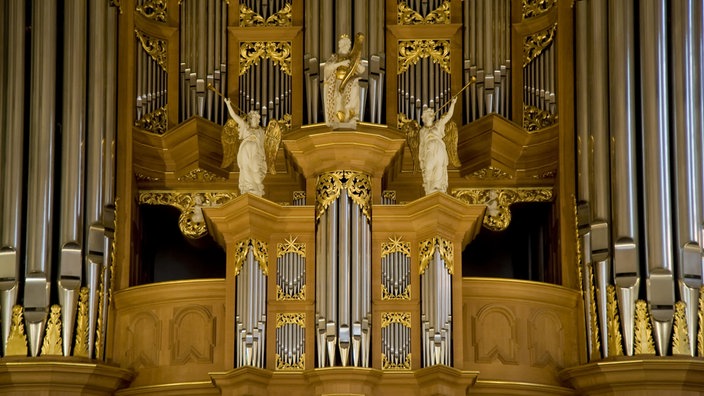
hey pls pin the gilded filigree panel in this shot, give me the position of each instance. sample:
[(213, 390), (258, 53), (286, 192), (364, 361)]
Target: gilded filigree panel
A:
[(427, 250), (330, 184), (534, 8), (535, 118), (411, 51), (498, 200), (534, 44), (408, 16), (252, 52), (281, 18), (156, 48), (153, 9), (155, 122), (259, 251)]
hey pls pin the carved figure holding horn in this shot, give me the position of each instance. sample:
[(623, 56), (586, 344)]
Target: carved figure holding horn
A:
[(341, 83)]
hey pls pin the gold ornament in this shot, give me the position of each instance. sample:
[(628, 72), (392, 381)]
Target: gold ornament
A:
[(411, 51), (498, 200), (535, 118), (700, 333), (534, 8), (279, 52), (155, 122), (282, 365), (427, 250), (201, 176), (680, 336), (153, 9), (407, 16), (17, 340), (259, 250), (81, 345), (613, 325), (291, 246), (156, 48), (596, 345), (387, 365), (643, 341), (249, 18), (329, 187), (298, 319), (536, 43), (52, 336), (395, 245)]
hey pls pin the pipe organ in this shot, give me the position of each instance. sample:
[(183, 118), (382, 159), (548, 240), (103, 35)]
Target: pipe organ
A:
[(65, 157), (640, 175), (343, 277)]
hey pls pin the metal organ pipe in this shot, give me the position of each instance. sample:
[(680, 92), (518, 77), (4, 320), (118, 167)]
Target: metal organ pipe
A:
[(656, 164), (41, 177), (687, 144), (11, 165)]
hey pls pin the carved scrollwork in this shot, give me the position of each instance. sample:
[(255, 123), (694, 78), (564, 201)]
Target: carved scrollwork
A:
[(153, 9), (154, 122), (291, 246), (389, 195), (279, 52), (387, 365), (298, 319), (52, 335), (411, 51), (408, 16), (17, 340), (259, 251), (191, 221), (534, 8), (156, 48), (680, 337), (283, 365), (490, 173), (498, 214), (534, 44), (427, 250), (404, 296), (700, 333), (283, 296), (535, 118), (80, 346), (403, 318), (249, 18), (594, 322), (201, 176), (330, 184), (395, 245), (643, 340), (614, 324)]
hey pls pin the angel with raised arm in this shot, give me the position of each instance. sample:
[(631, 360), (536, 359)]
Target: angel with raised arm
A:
[(434, 146), (341, 83), (257, 149)]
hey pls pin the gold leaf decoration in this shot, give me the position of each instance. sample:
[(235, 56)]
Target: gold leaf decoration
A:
[(155, 122), (535, 118), (99, 336), (17, 340), (281, 296), (329, 187), (404, 296), (643, 342), (249, 18), (81, 345), (680, 336), (279, 52), (201, 176), (299, 195), (411, 51), (403, 318), (395, 245), (156, 48), (700, 333), (534, 8), (535, 44), (387, 365), (291, 246), (389, 195), (259, 250), (614, 324), (298, 319), (191, 221), (498, 200), (144, 178), (52, 335), (153, 9), (490, 173), (408, 16), (283, 365), (594, 330), (427, 250)]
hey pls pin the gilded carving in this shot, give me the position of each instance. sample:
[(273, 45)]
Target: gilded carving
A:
[(534, 8), (490, 173), (534, 44), (407, 16), (427, 250), (388, 365), (279, 52), (156, 48), (546, 175), (700, 333), (99, 336), (291, 246), (299, 195), (259, 251), (201, 176), (155, 122), (281, 296), (614, 324), (498, 200), (680, 336), (535, 118), (192, 335), (330, 184), (249, 18), (395, 245), (144, 178), (404, 318), (411, 51), (643, 341), (405, 295), (298, 319), (153, 9), (389, 195), (191, 221), (594, 330), (17, 340), (52, 335), (283, 365), (80, 347)]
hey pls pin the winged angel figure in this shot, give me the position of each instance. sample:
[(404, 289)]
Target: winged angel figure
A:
[(256, 148), (433, 146)]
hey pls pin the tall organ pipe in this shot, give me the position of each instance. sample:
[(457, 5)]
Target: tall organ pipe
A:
[(11, 131), (72, 166), (599, 133), (687, 143), (94, 161), (41, 176), (656, 164), (626, 262)]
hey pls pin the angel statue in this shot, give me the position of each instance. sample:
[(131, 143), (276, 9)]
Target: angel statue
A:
[(433, 146), (341, 83), (256, 149)]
